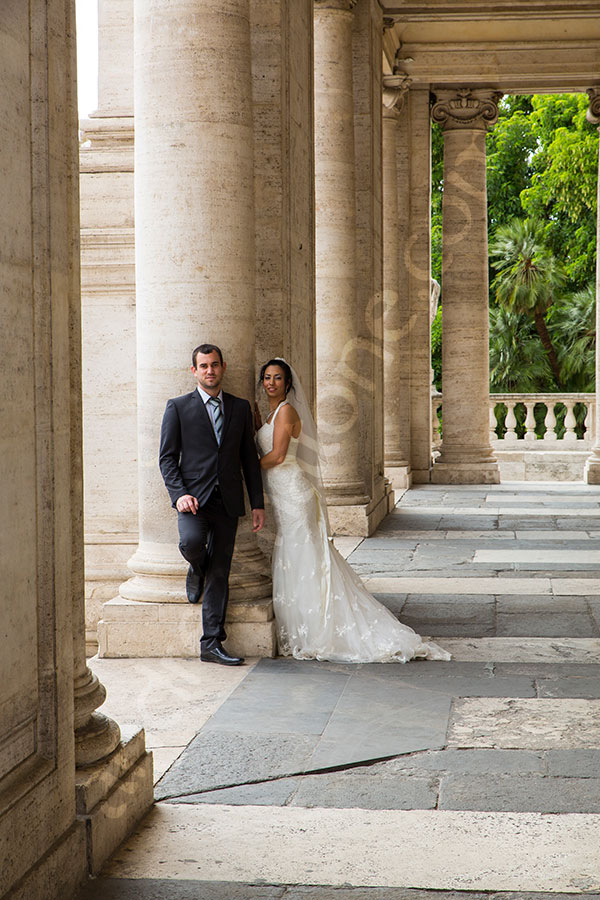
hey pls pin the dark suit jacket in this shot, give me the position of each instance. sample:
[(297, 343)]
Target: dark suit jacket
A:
[(191, 461)]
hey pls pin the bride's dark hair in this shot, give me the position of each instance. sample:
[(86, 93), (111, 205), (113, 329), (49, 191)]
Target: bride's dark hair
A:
[(287, 373)]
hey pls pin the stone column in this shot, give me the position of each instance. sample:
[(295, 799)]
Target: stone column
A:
[(282, 97), (592, 466), (396, 357), (195, 264), (414, 196), (337, 313), (466, 455), (108, 317)]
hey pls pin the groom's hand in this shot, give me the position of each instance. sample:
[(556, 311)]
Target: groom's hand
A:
[(258, 519), (187, 503)]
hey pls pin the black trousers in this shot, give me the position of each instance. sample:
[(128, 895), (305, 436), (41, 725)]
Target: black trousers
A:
[(206, 541)]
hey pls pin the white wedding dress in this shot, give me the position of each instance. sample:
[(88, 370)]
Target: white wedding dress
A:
[(322, 609)]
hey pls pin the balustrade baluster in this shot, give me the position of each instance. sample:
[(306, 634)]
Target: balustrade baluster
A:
[(511, 421), (588, 422), (530, 434), (570, 421), (550, 422), (493, 422), (436, 427)]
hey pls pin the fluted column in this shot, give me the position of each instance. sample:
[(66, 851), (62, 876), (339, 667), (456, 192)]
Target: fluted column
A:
[(195, 264), (337, 312), (592, 466), (396, 359), (466, 455)]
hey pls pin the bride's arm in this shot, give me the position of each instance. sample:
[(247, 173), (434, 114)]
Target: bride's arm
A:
[(285, 423)]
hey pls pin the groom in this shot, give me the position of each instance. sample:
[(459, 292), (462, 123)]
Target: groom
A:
[(206, 442)]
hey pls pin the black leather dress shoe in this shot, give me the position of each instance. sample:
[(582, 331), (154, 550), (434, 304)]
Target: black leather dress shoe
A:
[(194, 585), (218, 655)]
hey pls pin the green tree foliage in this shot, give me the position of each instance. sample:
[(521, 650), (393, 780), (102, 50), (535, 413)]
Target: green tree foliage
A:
[(510, 148), (437, 187), (518, 361), (563, 189)]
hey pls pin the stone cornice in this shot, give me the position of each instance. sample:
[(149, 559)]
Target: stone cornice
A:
[(395, 88), (593, 113), (466, 109), (343, 5), (474, 10)]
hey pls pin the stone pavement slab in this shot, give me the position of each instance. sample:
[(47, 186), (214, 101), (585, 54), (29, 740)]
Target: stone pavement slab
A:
[(524, 793), (530, 624), (526, 724), (220, 759), (582, 763), (530, 649), (435, 849), (366, 789), (375, 719), (283, 697)]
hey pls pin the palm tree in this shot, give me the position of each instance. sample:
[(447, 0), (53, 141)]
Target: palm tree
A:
[(518, 363), (573, 326), (527, 278)]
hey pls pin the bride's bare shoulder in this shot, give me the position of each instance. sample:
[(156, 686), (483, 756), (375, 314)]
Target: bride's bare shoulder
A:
[(289, 414)]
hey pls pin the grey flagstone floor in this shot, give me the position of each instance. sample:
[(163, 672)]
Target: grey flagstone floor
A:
[(510, 726)]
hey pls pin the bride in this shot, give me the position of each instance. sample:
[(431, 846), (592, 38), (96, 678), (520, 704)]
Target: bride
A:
[(322, 608)]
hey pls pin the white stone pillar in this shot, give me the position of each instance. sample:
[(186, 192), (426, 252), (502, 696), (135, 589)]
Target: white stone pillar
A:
[(337, 312), (108, 317), (592, 466), (282, 96), (195, 261), (396, 357), (414, 226), (466, 454)]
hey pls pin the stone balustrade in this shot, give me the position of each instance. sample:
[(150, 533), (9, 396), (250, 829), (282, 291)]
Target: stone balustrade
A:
[(543, 437), (561, 421), (568, 420)]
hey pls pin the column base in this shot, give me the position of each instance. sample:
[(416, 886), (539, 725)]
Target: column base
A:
[(130, 629), (400, 477), (421, 476), (105, 570), (364, 518), (465, 473), (591, 472), (113, 796)]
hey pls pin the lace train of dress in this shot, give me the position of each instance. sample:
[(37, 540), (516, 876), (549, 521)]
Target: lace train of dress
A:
[(322, 609)]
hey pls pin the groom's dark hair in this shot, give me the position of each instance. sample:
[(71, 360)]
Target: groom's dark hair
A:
[(287, 372), (205, 348)]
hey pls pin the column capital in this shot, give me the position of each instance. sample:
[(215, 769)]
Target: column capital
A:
[(343, 5), (466, 109), (593, 112), (395, 88)]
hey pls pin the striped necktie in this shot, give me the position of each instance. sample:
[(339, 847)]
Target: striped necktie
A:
[(217, 417)]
